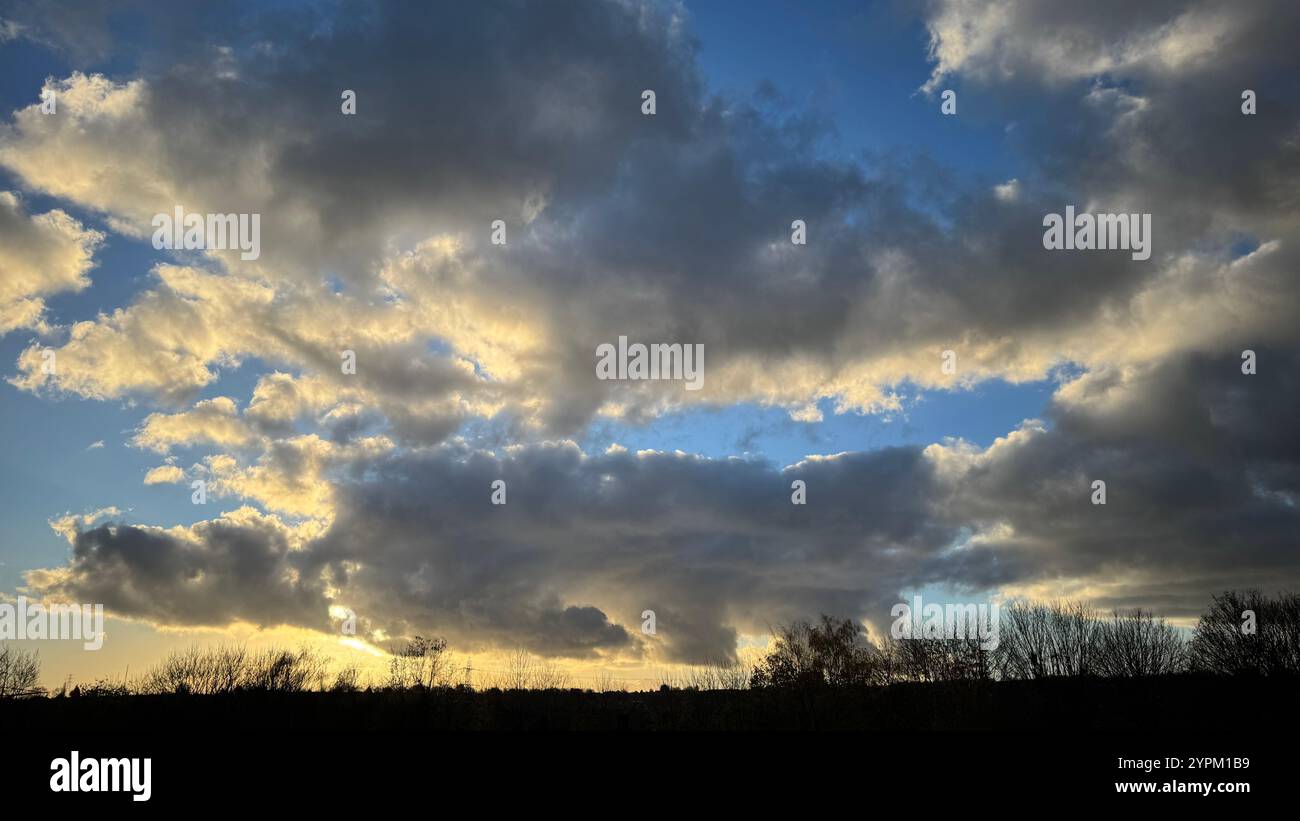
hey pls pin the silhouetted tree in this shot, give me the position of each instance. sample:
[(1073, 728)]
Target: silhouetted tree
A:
[(19, 672), (834, 652), (524, 671), (1248, 633), (1138, 644), (421, 663), (1038, 641)]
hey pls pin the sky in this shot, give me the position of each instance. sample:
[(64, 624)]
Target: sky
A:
[(370, 492)]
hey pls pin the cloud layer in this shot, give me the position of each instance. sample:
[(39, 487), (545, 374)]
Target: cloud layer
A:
[(375, 236)]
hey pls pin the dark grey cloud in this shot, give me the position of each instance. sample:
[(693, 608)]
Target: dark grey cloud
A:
[(1202, 466), (677, 228), (226, 570), (417, 546)]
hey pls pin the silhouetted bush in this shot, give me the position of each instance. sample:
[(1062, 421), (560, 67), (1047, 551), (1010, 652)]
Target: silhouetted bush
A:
[(103, 688), (228, 669), (1223, 643), (347, 680), (197, 671), (285, 671)]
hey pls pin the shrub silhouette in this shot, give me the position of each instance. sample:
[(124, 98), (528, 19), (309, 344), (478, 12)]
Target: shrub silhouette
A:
[(104, 688), (229, 669), (196, 671), (1221, 645), (285, 671), (347, 680)]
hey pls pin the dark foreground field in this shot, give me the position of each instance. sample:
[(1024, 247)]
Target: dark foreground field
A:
[(1171, 703)]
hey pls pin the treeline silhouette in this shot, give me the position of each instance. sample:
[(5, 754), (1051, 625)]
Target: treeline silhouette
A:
[(1058, 662), (421, 663), (1242, 633)]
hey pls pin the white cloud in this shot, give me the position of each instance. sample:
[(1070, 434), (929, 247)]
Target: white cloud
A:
[(164, 475), (40, 255)]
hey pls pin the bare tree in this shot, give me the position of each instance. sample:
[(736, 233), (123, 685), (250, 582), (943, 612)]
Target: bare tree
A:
[(1248, 633), (518, 673), (547, 675), (423, 662), (20, 671), (1038, 641), (606, 683), (1138, 644), (225, 668), (525, 671)]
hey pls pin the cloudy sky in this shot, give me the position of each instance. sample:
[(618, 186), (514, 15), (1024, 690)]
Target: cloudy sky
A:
[(475, 361)]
